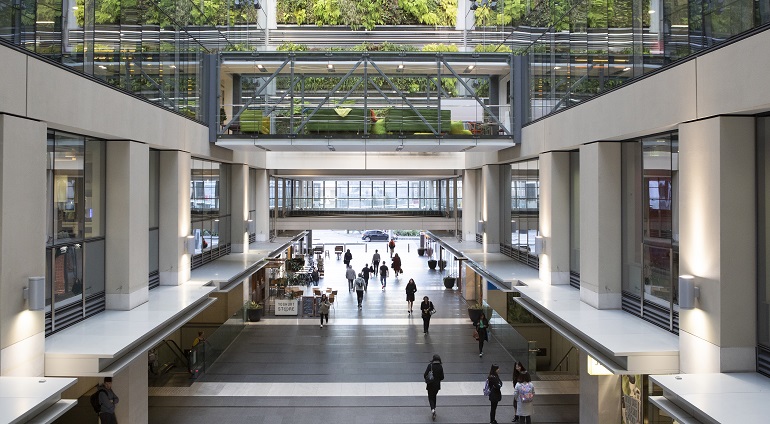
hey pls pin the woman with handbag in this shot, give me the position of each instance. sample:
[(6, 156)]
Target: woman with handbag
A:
[(518, 369), (481, 329), (411, 288), (427, 310), (495, 394), (433, 376)]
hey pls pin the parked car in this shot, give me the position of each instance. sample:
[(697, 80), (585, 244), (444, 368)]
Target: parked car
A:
[(370, 235)]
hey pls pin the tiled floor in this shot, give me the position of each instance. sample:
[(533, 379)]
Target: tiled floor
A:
[(365, 366)]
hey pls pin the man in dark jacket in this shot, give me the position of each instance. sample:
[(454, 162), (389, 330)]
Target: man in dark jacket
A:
[(348, 257), (365, 272), (107, 401), (434, 385)]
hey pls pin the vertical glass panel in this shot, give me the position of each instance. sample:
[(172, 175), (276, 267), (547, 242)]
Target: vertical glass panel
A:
[(95, 178), (763, 233), (631, 207), (657, 188), (574, 212), (94, 267), (68, 275), (330, 194), (390, 194), (154, 189), (378, 194), (657, 275), (68, 186), (154, 250)]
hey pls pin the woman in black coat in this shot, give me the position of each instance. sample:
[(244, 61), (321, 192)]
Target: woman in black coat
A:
[(433, 386), (495, 395), (482, 326), (425, 307)]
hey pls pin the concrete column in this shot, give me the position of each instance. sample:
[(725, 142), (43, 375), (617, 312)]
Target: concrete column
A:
[(173, 259), (240, 208), (600, 229), (490, 205), (599, 396), (465, 16), (718, 244), (262, 193), (128, 222), (471, 188), (555, 217), (131, 387), (23, 206)]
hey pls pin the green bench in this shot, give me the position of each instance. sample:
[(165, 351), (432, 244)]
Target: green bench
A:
[(406, 120), (337, 120), (252, 121)]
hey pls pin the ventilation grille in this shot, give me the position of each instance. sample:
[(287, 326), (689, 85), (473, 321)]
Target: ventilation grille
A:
[(520, 255), (210, 255), (74, 313), (154, 280), (574, 279), (479, 238), (252, 238), (650, 312), (763, 360)]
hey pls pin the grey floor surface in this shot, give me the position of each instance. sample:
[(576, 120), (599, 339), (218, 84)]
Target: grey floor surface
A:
[(379, 343)]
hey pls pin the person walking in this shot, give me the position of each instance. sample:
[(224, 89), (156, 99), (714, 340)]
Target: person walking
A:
[(524, 392), (383, 275), (366, 272), (411, 288), (396, 265), (350, 275), (348, 257), (107, 401), (392, 246), (518, 369), (376, 261), (482, 326), (323, 309), (427, 310), (433, 376), (495, 395), (360, 289)]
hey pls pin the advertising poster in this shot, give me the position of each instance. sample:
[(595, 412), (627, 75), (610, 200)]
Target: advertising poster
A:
[(631, 399)]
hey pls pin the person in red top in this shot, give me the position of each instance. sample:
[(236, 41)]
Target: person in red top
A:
[(392, 246)]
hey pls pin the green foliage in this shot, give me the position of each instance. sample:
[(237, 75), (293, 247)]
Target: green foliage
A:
[(492, 48), (327, 12), (294, 264), (291, 47), (253, 305), (441, 47)]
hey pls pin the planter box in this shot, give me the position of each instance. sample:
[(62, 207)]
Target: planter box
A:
[(449, 282), (475, 314), (421, 251), (432, 263)]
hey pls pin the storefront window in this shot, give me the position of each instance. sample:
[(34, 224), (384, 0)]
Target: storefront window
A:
[(650, 182), (209, 210), (525, 210), (75, 228)]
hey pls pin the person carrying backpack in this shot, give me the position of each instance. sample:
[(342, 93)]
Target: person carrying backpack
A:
[(104, 401), (360, 286), (493, 386), (433, 375), (524, 393)]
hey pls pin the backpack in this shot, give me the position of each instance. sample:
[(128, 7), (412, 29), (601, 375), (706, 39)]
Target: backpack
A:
[(359, 283), (487, 389), (95, 400), (526, 393), (429, 378)]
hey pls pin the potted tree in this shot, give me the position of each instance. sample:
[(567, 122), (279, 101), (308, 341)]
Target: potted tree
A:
[(449, 281), (474, 312), (294, 264), (253, 311), (441, 264)]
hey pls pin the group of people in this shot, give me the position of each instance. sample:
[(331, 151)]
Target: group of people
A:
[(523, 390)]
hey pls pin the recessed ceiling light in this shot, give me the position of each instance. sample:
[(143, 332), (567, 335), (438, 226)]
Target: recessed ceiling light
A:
[(469, 69), (102, 66), (261, 68), (557, 67), (626, 69)]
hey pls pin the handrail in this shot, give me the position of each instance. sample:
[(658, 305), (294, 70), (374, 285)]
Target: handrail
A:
[(178, 352), (565, 357)]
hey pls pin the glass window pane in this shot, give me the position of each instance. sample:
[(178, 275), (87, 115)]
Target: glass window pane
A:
[(95, 179), (68, 157), (68, 275), (94, 267)]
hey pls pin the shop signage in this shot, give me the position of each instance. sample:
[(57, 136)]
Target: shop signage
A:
[(286, 306)]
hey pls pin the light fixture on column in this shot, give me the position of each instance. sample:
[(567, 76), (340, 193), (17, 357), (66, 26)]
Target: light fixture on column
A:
[(34, 293), (480, 227), (539, 245), (250, 226), (189, 244), (688, 292)]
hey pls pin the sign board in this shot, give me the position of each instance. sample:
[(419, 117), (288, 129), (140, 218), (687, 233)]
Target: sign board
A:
[(286, 306)]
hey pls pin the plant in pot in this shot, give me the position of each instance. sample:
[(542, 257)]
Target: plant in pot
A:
[(253, 311), (432, 263), (294, 264), (421, 251), (441, 264), (449, 281), (474, 311)]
